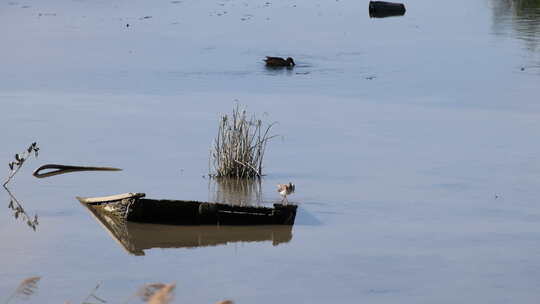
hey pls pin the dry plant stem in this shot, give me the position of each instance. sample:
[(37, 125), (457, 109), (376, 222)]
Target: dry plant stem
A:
[(33, 148), (10, 176)]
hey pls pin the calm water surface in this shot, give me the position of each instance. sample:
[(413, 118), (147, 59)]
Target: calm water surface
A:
[(413, 142)]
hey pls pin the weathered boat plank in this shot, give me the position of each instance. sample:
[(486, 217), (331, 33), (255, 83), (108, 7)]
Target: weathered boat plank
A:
[(89, 200)]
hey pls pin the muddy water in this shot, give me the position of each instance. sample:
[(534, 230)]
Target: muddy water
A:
[(413, 142)]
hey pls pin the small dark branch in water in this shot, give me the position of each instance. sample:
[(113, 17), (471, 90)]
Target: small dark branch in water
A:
[(16, 165), (93, 297)]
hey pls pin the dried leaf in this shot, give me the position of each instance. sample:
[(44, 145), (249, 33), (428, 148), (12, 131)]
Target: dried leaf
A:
[(148, 290), (28, 287), (164, 295), (225, 302), (17, 157)]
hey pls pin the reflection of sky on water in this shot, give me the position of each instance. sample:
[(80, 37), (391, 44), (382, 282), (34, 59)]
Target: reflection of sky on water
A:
[(417, 185)]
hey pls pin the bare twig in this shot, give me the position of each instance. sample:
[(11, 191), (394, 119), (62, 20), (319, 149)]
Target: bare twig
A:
[(92, 296), (17, 164)]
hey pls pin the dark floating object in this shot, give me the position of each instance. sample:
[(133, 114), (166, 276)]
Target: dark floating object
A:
[(382, 9), (61, 169), (277, 62), (135, 238), (133, 207)]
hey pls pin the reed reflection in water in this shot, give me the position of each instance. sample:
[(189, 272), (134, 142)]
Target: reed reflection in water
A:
[(242, 192), (521, 16)]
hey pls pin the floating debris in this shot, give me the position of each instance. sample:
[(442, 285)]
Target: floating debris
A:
[(382, 9), (62, 169)]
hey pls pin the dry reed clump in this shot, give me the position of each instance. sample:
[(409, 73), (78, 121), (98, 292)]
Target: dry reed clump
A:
[(240, 145)]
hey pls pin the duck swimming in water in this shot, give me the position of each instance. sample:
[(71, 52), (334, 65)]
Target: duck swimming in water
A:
[(279, 62)]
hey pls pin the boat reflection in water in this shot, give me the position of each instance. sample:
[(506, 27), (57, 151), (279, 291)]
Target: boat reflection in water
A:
[(137, 237)]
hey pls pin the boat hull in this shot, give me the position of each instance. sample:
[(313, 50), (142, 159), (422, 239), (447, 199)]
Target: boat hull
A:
[(135, 208)]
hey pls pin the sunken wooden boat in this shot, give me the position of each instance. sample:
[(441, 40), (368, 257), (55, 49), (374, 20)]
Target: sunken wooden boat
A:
[(136, 238), (135, 208)]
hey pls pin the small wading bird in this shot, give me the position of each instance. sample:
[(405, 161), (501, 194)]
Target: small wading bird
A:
[(279, 62), (285, 190)]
